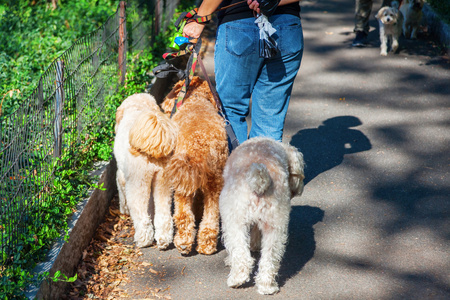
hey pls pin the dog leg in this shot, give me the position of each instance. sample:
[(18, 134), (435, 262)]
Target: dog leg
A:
[(237, 243), (405, 30), (120, 179), (185, 222), (384, 41), (163, 218), (272, 249), (394, 43), (209, 227), (138, 197), (414, 33)]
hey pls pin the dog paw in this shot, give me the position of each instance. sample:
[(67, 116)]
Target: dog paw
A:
[(163, 240), (207, 248), (162, 244), (236, 280), (267, 289), (183, 245), (144, 242), (183, 248), (143, 238)]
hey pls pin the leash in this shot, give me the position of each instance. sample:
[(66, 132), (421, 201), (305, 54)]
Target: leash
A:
[(192, 62), (230, 132), (193, 46)]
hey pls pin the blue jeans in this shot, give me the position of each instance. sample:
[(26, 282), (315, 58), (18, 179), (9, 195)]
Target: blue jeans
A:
[(241, 74)]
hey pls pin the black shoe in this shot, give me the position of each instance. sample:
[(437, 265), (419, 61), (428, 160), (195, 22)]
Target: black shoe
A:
[(360, 39)]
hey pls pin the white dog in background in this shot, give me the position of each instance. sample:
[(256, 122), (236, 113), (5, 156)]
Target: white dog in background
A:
[(261, 176), (412, 13), (390, 20), (145, 139)]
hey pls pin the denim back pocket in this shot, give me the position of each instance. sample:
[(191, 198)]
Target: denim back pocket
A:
[(241, 41), (290, 37)]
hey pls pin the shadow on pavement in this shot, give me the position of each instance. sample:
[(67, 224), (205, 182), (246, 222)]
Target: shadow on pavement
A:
[(301, 246), (324, 147)]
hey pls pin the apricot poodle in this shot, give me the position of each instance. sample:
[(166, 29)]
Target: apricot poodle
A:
[(195, 169)]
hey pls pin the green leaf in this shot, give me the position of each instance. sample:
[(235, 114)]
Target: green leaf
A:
[(55, 277)]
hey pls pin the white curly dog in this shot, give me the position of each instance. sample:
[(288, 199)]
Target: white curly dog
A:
[(144, 142), (261, 177)]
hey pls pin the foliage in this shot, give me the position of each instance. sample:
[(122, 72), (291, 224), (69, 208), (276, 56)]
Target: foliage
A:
[(33, 35), (57, 277), (67, 188), (70, 182), (442, 8)]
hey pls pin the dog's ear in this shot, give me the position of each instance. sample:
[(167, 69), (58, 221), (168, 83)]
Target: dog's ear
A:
[(380, 13), (119, 117), (296, 169), (154, 134)]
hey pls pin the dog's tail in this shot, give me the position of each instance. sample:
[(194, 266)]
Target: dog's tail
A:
[(258, 178), (186, 173), (154, 134)]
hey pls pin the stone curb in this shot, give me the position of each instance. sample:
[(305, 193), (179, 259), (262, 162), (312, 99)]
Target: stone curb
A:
[(65, 256), (437, 27)]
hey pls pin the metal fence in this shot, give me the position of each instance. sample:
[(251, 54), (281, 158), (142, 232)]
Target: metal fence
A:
[(65, 109)]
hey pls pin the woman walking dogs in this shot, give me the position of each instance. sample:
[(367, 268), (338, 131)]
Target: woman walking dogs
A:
[(244, 71)]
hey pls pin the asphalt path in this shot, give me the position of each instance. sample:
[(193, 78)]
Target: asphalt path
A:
[(373, 221)]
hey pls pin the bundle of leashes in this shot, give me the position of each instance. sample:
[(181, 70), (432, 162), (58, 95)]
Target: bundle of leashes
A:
[(191, 46), (183, 45)]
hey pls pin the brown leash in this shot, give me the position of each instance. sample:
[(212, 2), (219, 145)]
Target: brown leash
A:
[(231, 5), (230, 132)]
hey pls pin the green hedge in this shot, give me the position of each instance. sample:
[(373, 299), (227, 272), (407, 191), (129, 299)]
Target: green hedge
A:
[(441, 8), (33, 35)]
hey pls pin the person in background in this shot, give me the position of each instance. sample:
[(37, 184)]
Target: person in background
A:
[(241, 74), (363, 8)]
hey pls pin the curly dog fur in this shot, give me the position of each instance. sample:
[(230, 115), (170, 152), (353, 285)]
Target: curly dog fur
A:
[(390, 21), (197, 165), (261, 176), (145, 139)]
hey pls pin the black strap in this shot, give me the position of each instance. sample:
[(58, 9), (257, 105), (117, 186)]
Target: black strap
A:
[(180, 18), (164, 69)]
